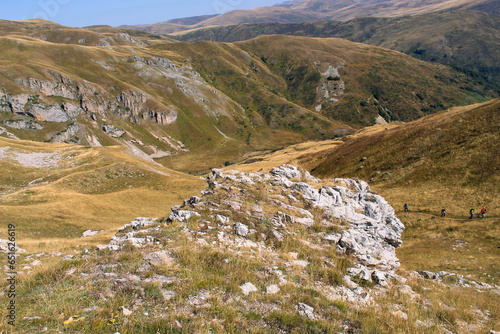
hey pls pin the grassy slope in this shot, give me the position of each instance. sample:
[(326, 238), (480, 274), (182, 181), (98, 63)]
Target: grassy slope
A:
[(445, 160), (466, 39), (271, 78), (93, 285), (448, 160), (195, 127), (90, 188), (371, 83)]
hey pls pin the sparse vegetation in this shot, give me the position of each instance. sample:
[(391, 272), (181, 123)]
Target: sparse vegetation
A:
[(192, 275)]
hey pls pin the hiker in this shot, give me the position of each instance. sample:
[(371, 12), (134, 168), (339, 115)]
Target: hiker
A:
[(406, 208), (472, 213), (483, 211), (443, 212)]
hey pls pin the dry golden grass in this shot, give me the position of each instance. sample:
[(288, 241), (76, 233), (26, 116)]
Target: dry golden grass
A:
[(469, 247), (255, 161), (448, 160), (100, 189)]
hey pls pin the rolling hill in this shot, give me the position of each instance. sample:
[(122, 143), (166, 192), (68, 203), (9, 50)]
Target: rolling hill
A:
[(314, 10), (449, 160), (241, 254), (53, 192), (462, 38), (191, 106)]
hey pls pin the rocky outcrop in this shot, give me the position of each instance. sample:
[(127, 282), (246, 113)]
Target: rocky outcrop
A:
[(67, 135), (357, 224), (245, 232), (331, 86), (23, 124), (63, 87), (48, 113), (7, 246), (87, 99), (29, 105), (113, 131), (374, 230), (163, 118)]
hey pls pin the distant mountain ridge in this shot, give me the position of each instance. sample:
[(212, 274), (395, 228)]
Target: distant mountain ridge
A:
[(464, 38), (314, 10)]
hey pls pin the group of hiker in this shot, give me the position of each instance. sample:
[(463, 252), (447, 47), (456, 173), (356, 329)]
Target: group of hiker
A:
[(483, 212), (472, 211)]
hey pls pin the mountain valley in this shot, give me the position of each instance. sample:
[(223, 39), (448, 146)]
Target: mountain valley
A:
[(277, 170)]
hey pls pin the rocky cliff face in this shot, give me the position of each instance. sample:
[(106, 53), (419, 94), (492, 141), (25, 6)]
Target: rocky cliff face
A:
[(84, 99)]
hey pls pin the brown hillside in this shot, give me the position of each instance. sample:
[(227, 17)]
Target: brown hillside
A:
[(445, 160), (192, 106), (313, 10)]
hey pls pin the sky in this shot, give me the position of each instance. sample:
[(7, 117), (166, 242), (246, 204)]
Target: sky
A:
[(77, 13)]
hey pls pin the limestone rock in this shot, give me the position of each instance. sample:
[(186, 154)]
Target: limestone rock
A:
[(379, 277), (72, 110), (241, 229), (23, 124), (161, 117), (400, 314), (126, 312), (288, 171), (66, 135), (182, 215), (167, 294), (160, 279), (428, 274), (305, 221), (113, 131), (36, 263), (48, 113), (222, 219), (278, 235), (89, 233), (256, 209), (236, 206), (306, 311), (7, 246), (159, 258), (247, 288), (200, 298), (272, 289), (308, 192)]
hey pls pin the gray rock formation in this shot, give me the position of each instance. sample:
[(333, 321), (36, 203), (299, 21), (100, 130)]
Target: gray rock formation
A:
[(182, 215), (130, 105), (6, 246), (113, 131), (66, 135), (306, 311), (48, 113), (374, 230), (23, 124), (161, 117), (241, 229), (247, 288), (159, 258)]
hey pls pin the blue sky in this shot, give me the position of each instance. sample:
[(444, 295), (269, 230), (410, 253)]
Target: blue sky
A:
[(118, 12)]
